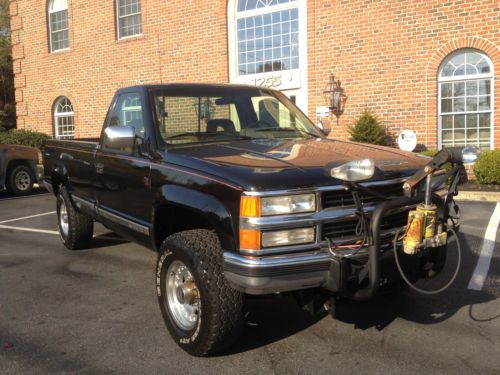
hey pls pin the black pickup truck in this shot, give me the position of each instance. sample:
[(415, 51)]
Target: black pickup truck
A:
[(239, 193)]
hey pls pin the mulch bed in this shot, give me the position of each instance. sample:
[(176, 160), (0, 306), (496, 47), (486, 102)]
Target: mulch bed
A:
[(474, 186)]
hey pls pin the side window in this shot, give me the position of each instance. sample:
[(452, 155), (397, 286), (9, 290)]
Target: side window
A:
[(128, 112)]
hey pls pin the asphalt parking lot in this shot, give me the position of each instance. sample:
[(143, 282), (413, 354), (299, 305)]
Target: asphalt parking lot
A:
[(95, 312)]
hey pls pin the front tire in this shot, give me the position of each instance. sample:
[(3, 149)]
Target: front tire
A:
[(201, 311), (76, 229), (21, 179)]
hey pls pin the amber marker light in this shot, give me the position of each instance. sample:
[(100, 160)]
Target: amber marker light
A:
[(250, 207), (249, 239)]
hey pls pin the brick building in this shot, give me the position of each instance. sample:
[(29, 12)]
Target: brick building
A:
[(423, 65)]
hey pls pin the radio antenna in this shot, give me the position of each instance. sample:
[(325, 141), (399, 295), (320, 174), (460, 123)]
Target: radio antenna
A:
[(162, 105)]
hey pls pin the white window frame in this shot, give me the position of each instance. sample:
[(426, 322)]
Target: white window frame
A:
[(118, 17), (60, 6), (292, 75), (57, 115), (465, 78)]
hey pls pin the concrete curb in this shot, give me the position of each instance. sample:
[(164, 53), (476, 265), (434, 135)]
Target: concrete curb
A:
[(478, 196)]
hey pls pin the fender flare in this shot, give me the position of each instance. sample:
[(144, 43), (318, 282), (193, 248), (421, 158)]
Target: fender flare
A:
[(208, 206)]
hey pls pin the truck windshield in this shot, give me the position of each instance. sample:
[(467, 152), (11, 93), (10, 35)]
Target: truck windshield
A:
[(253, 114)]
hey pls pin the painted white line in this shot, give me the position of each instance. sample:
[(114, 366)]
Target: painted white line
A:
[(29, 230), (483, 264), (28, 217), (37, 195)]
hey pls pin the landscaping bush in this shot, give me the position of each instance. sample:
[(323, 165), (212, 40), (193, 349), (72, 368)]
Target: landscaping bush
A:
[(367, 129), (487, 167), (24, 138), (430, 153)]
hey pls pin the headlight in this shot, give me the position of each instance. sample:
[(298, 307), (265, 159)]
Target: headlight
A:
[(356, 170), (280, 205), (290, 204), (288, 237)]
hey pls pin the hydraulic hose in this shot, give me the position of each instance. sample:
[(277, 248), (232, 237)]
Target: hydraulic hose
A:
[(410, 284)]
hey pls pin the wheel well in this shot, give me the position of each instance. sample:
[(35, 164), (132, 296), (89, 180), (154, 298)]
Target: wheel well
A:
[(170, 219), (14, 163)]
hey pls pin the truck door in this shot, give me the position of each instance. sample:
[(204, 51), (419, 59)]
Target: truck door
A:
[(123, 191)]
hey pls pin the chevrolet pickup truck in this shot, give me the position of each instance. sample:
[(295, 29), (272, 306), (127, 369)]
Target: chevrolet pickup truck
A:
[(239, 193), (18, 168)]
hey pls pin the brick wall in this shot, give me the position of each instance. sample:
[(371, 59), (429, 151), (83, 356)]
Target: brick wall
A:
[(386, 53)]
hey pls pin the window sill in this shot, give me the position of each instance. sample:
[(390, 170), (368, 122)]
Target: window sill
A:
[(59, 51), (130, 38)]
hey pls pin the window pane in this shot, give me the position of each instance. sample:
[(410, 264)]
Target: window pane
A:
[(459, 136), (471, 121), (484, 87), (446, 105), (459, 122), (471, 88), (447, 135), (458, 105), (447, 122), (448, 70), (472, 136), (484, 103), (483, 67), (459, 89), (484, 120), (471, 104), (446, 90)]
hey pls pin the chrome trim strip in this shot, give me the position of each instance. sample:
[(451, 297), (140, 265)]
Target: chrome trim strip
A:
[(283, 249), (110, 216), (298, 220), (252, 262), (83, 202), (122, 221), (320, 188)]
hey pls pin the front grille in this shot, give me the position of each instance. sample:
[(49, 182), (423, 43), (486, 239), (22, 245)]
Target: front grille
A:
[(342, 198), (345, 230)]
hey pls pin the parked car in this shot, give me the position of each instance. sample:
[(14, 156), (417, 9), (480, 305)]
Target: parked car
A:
[(239, 193), (19, 168)]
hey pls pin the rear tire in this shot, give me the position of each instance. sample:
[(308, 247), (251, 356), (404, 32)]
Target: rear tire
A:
[(201, 311), (76, 229), (21, 179)]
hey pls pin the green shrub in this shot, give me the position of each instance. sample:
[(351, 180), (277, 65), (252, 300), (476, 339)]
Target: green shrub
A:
[(487, 167), (24, 138), (367, 129), (430, 153)]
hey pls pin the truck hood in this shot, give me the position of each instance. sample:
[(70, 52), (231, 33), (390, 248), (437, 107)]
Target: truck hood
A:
[(275, 164)]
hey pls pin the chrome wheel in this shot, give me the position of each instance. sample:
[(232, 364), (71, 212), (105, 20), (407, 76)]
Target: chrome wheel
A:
[(22, 180), (63, 219), (183, 296)]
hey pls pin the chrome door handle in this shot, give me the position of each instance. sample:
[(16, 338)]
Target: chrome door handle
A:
[(99, 168)]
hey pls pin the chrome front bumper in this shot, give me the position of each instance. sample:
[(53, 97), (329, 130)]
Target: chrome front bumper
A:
[(265, 275)]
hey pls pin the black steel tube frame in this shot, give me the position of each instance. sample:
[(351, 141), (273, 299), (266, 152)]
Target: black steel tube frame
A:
[(374, 250)]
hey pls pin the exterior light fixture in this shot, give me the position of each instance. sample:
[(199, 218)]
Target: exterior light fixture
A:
[(335, 96), (205, 108)]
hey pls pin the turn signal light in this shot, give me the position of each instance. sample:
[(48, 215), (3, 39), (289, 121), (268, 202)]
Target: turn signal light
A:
[(250, 206), (249, 239)]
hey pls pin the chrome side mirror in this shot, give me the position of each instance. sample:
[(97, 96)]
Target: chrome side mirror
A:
[(469, 154), (119, 136)]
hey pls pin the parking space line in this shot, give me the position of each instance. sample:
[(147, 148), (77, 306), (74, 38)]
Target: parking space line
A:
[(27, 217), (483, 263), (21, 229)]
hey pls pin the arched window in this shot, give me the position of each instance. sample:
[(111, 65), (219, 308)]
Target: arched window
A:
[(64, 119), (267, 45), (465, 100), (58, 25), (128, 18)]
